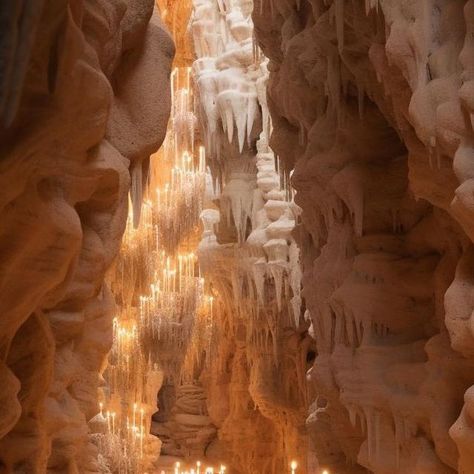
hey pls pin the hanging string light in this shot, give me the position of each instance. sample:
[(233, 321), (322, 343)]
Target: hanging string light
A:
[(161, 296), (179, 198)]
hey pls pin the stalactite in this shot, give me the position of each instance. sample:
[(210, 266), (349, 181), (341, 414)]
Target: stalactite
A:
[(339, 14), (136, 192), (251, 260)]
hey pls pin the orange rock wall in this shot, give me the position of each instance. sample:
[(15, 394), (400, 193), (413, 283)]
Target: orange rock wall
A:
[(84, 100)]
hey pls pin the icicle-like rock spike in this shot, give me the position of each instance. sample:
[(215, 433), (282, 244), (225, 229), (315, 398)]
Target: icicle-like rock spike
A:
[(136, 192), (254, 201)]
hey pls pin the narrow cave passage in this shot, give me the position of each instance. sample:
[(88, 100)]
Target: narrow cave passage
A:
[(236, 236)]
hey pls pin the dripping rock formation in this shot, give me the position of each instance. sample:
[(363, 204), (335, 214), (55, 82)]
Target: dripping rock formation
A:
[(84, 101), (254, 378), (372, 105)]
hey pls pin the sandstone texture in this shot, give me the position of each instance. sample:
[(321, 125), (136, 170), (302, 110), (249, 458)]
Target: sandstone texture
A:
[(372, 106), (84, 101)]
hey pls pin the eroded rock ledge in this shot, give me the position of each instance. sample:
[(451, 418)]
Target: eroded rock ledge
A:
[(84, 100), (372, 104)]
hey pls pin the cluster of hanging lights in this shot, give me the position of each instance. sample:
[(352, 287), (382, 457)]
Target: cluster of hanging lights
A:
[(157, 286)]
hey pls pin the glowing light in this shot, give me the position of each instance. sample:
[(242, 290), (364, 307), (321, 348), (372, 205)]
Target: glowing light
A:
[(158, 288)]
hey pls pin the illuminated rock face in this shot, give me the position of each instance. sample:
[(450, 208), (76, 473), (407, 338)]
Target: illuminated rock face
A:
[(372, 105), (85, 100)]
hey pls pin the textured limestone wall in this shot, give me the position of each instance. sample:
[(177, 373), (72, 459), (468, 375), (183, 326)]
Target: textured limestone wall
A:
[(84, 100), (372, 105)]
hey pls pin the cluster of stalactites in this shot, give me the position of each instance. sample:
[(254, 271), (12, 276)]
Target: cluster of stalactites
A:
[(231, 77), (225, 72), (230, 74)]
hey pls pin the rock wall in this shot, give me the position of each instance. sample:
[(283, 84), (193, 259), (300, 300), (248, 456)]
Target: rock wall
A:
[(84, 101), (372, 105)]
